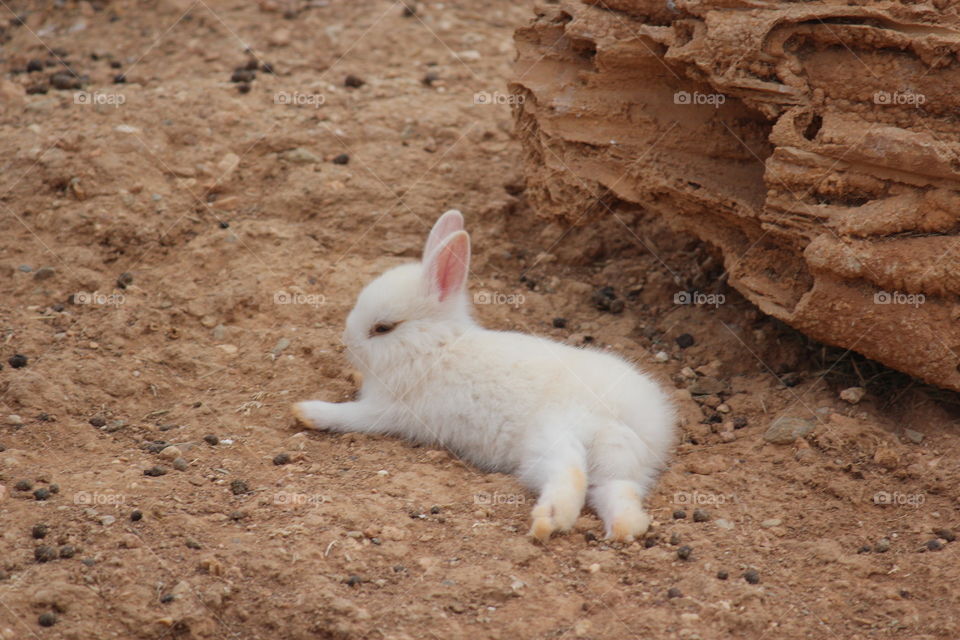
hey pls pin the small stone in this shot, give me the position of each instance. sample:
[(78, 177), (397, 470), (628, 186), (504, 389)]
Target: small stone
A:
[(44, 553), (65, 81), (853, 395), (54, 488), (136, 515), (44, 273), (107, 520), (167, 598), (281, 459), (97, 422), (125, 279), (15, 420), (675, 539), (114, 425), (739, 422), (649, 542), (239, 487), (882, 545), (41, 493), (243, 75), (786, 430), (67, 551), (300, 156), (559, 323), (934, 545), (864, 549), (25, 268), (193, 544), (342, 158), (594, 568), (181, 464), (170, 453), (701, 515), (39, 531), (771, 522), (47, 619), (722, 575), (23, 485), (679, 514), (354, 581), (684, 552), (674, 592), (155, 472), (752, 576), (353, 81), (17, 361), (590, 536), (946, 534), (685, 340), (913, 436), (707, 386), (724, 524), (662, 356), (211, 439)]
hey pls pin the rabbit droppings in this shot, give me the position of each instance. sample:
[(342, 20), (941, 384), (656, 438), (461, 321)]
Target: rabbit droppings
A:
[(573, 424)]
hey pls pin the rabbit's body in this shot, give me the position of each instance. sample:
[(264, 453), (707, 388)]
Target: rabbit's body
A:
[(571, 423)]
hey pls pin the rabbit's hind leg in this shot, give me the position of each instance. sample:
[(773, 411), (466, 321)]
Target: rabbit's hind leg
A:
[(558, 471)]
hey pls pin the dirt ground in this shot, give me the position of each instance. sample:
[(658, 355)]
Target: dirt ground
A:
[(177, 256)]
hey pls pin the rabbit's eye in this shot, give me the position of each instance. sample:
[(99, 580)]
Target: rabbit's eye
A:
[(381, 328)]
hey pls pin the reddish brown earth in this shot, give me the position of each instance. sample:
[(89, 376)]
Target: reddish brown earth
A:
[(362, 537)]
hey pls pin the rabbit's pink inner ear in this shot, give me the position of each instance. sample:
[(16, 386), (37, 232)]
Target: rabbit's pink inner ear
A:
[(448, 223), (449, 265)]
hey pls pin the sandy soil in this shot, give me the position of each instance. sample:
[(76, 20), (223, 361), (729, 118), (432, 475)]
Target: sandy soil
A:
[(176, 269)]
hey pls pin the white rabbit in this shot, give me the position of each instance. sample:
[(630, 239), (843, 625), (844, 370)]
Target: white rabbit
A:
[(573, 424)]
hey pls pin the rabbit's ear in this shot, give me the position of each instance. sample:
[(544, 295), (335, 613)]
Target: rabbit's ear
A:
[(447, 267), (446, 224)]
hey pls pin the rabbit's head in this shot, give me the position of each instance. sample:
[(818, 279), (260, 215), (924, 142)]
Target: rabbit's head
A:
[(410, 309)]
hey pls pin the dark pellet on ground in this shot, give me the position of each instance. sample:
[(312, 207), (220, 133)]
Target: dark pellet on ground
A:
[(243, 75), (684, 552), (44, 553), (353, 81), (864, 549), (934, 545), (343, 158), (236, 516), (2, 448), (120, 78), (243, 87), (722, 575), (701, 515), (42, 493), (590, 536), (23, 485), (739, 422), (752, 576), (429, 78), (675, 539), (252, 65), (353, 581), (64, 81), (674, 592), (89, 562), (165, 598), (281, 458), (649, 542), (434, 510), (946, 534), (685, 340), (97, 422), (136, 515), (224, 224), (679, 514), (68, 551), (47, 619), (154, 472), (34, 65), (211, 439), (125, 279), (115, 64), (39, 531), (17, 361), (266, 67), (409, 10), (239, 487), (559, 323), (37, 89), (54, 488), (193, 544)]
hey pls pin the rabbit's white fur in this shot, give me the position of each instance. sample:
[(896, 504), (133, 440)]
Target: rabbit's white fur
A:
[(572, 424)]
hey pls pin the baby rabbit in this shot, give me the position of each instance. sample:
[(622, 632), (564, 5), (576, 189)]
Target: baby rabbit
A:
[(572, 424)]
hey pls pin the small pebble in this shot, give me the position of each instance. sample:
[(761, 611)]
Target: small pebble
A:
[(14, 420), (136, 515), (722, 575), (244, 87), (684, 552), (281, 459), (211, 439), (44, 553), (54, 488), (590, 536), (679, 514), (685, 340), (353, 581), (34, 65), (353, 81), (674, 592), (649, 542), (42, 493), (180, 464), (675, 539), (739, 422), (882, 545), (243, 75), (120, 78), (17, 361), (154, 472), (934, 545), (47, 619), (435, 510), (701, 515), (559, 323), (224, 224), (193, 544), (865, 548), (23, 485), (239, 487), (107, 520), (68, 551), (88, 562), (342, 158), (662, 356), (946, 534), (39, 531), (125, 279), (166, 598), (752, 576)]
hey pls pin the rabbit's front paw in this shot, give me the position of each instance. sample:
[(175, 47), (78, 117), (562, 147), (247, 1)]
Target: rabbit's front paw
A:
[(313, 414)]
